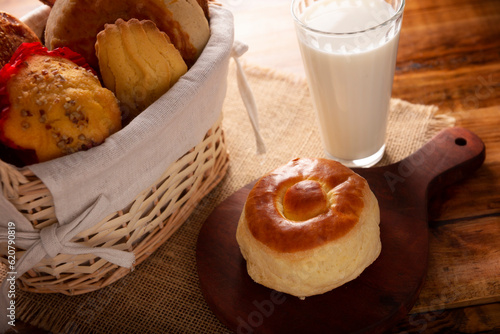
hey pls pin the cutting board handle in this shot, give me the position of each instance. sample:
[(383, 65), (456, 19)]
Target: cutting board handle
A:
[(451, 155)]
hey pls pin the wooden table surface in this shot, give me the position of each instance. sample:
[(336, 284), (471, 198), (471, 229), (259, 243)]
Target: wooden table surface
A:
[(449, 56)]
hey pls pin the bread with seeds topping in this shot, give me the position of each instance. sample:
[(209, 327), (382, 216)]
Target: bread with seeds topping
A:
[(50, 106)]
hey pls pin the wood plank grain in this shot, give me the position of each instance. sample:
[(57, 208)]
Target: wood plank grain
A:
[(480, 194), (466, 88), (483, 319), (449, 54), (463, 265), (486, 123)]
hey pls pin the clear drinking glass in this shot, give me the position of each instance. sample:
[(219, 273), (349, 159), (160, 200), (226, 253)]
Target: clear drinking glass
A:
[(349, 50)]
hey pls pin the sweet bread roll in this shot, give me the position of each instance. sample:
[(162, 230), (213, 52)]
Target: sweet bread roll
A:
[(138, 63), (50, 106), (76, 23), (13, 33), (309, 227)]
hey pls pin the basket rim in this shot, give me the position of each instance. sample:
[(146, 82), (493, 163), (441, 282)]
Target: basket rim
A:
[(208, 162)]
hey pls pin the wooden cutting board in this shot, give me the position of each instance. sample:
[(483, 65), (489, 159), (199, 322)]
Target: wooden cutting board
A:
[(384, 293)]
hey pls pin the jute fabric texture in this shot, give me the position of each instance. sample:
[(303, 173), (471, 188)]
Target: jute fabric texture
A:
[(162, 294)]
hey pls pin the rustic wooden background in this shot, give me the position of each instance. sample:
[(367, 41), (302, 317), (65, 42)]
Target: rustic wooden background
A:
[(449, 56)]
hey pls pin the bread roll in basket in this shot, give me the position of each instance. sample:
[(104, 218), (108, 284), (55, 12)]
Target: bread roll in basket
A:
[(84, 220)]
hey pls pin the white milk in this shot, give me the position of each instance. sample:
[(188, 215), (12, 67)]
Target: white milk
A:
[(350, 75)]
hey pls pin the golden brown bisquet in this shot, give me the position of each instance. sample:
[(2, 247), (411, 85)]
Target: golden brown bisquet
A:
[(308, 227)]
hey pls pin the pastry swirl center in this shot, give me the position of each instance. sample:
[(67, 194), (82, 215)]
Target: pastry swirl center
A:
[(304, 200)]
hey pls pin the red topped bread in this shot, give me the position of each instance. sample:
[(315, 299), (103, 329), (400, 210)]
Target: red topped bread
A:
[(51, 106)]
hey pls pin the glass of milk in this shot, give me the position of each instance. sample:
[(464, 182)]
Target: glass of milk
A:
[(349, 49)]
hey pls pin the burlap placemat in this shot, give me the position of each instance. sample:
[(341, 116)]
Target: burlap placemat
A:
[(162, 295)]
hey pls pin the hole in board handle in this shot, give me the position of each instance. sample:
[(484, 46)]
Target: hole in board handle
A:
[(461, 141)]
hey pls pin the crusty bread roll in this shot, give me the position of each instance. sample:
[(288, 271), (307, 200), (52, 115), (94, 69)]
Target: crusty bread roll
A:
[(309, 227), (13, 33), (76, 23), (138, 63)]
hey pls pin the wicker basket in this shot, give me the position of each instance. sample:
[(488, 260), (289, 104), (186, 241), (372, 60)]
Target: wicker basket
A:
[(140, 227)]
